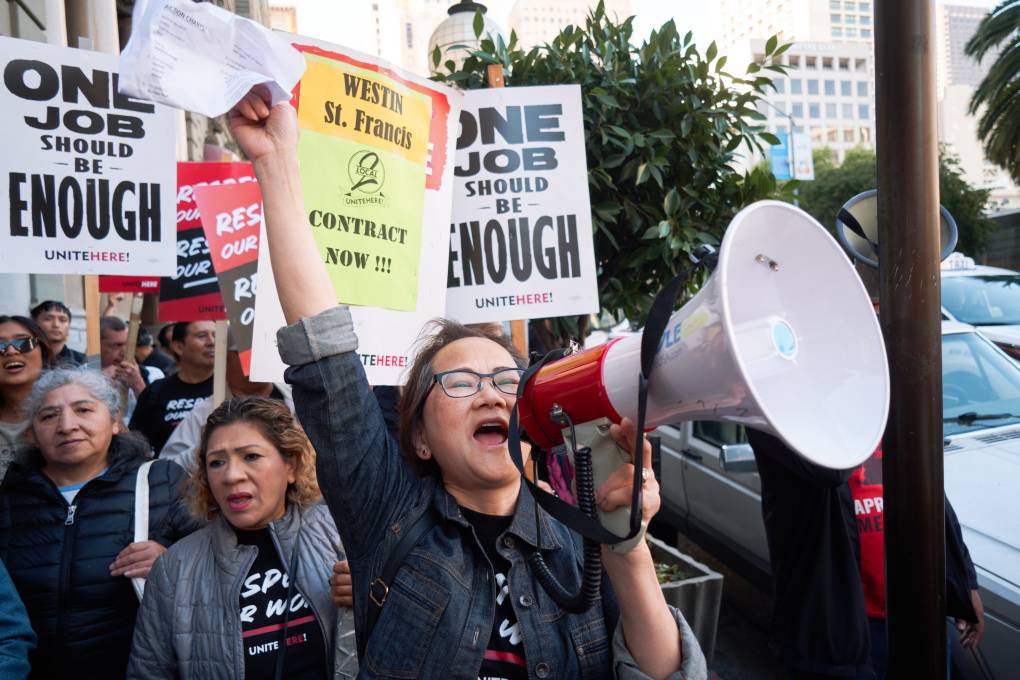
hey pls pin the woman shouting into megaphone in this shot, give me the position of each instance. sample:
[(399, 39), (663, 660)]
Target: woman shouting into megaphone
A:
[(438, 527)]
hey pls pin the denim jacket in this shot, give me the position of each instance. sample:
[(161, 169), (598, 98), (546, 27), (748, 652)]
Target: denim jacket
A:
[(439, 610)]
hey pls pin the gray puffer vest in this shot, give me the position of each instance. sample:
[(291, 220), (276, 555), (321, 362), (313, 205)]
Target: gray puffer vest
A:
[(188, 625)]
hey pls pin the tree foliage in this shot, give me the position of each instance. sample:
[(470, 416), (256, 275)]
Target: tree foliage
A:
[(999, 92), (836, 184), (663, 124)]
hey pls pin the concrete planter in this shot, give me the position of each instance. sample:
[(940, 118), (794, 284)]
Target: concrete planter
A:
[(697, 596)]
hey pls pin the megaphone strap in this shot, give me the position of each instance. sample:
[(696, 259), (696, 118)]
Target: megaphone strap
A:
[(851, 223)]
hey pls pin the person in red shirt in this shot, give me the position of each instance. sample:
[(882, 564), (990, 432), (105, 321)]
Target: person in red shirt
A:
[(963, 601)]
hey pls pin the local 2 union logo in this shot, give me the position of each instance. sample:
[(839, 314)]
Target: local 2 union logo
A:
[(367, 175)]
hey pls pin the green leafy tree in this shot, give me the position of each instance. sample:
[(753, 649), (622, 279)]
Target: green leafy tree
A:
[(835, 184), (999, 92), (663, 123)]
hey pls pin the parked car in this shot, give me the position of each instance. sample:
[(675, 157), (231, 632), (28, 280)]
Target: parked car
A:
[(711, 492), (985, 297)]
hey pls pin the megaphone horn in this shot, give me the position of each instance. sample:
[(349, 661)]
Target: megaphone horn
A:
[(782, 338), (857, 228)]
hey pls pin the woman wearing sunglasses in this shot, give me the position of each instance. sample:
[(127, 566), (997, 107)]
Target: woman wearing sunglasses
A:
[(23, 355), (465, 602)]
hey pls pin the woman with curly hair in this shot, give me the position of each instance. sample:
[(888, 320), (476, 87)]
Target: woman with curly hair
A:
[(267, 554)]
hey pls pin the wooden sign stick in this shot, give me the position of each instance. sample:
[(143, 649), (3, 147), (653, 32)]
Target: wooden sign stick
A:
[(132, 340), (220, 364), (518, 327)]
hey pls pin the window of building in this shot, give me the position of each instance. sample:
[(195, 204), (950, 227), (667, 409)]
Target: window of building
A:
[(850, 19), (863, 111), (864, 7), (844, 64), (831, 135), (862, 88), (826, 63), (865, 134), (812, 86), (848, 111), (810, 62), (865, 32), (795, 86), (779, 106), (781, 129), (846, 88), (830, 88), (780, 85), (830, 110), (799, 129), (409, 30), (797, 110), (835, 4), (814, 110), (816, 135), (848, 135), (860, 65), (850, 32), (836, 18), (864, 20), (850, 6), (837, 32)]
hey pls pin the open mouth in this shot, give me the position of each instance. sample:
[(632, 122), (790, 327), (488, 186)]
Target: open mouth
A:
[(493, 433), (239, 501), (13, 365)]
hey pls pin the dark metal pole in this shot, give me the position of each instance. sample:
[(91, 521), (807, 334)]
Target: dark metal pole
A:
[(908, 210)]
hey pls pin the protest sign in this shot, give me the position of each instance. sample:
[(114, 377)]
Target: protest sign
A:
[(193, 294), (232, 219), (520, 238), (128, 284), (421, 173), (89, 171), (200, 57), (363, 151)]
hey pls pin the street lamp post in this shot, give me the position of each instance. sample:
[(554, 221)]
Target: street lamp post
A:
[(791, 150)]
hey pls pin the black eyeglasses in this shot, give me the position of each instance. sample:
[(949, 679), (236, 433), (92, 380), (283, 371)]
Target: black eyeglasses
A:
[(20, 345), (459, 384)]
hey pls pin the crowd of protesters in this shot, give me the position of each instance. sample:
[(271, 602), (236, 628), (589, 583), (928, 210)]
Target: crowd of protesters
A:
[(316, 529)]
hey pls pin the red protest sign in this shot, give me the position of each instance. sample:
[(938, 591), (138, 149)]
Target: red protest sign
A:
[(194, 294), (231, 215), (128, 284)]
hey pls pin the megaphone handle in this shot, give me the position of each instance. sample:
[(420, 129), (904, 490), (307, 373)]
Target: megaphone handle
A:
[(606, 458)]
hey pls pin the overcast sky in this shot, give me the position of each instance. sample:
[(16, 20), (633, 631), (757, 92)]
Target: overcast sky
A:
[(317, 17)]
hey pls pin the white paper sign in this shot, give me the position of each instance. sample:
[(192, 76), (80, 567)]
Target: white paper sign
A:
[(520, 239), (386, 338), (200, 57), (91, 174)]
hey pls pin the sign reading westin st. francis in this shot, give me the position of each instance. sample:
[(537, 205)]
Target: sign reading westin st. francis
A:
[(520, 235), (377, 186), (89, 173)]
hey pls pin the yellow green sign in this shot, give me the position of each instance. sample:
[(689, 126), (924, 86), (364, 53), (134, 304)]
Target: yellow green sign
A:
[(363, 151)]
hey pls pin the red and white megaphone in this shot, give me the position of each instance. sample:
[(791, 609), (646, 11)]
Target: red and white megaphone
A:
[(782, 338)]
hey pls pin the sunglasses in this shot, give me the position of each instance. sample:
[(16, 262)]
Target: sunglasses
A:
[(20, 345)]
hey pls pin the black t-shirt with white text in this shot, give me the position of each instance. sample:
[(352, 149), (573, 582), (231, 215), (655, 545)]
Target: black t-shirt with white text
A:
[(164, 404), (261, 607), (504, 655)]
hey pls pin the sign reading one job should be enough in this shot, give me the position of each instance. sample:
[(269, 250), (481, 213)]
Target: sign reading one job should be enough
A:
[(89, 173), (520, 239)]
